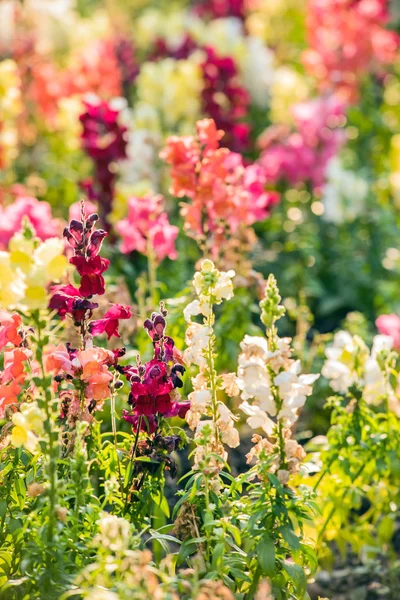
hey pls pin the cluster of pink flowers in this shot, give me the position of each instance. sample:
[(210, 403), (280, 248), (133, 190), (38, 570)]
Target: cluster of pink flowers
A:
[(390, 325), (104, 140), (224, 193), (38, 213), (347, 39), (154, 384), (303, 154), (13, 375), (147, 228)]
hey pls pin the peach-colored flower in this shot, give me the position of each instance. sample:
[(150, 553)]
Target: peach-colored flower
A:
[(8, 395), (9, 325)]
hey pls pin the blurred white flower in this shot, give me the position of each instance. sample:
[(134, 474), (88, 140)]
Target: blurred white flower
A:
[(344, 194)]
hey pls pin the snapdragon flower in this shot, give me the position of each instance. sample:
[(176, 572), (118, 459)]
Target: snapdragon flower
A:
[(147, 229), (212, 420), (273, 390), (350, 363), (225, 195), (153, 385), (28, 426)]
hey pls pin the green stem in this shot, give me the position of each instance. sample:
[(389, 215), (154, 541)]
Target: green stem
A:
[(52, 449), (212, 372), (114, 431), (152, 268)]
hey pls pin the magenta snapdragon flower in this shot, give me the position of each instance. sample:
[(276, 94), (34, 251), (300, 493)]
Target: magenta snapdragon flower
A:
[(147, 228)]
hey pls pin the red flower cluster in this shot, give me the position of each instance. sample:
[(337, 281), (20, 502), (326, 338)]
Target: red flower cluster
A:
[(217, 9), (347, 38), (153, 385), (13, 374), (224, 193), (104, 140), (221, 78)]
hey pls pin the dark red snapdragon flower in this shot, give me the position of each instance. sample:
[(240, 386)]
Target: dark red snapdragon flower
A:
[(153, 385), (86, 243), (221, 76), (109, 323), (217, 9), (125, 54), (66, 299), (91, 271), (104, 140)]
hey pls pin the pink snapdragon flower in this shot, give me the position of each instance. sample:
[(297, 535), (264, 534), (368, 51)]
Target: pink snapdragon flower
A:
[(390, 325), (223, 192), (37, 211), (147, 225), (10, 324), (109, 323), (303, 154), (91, 366), (347, 39)]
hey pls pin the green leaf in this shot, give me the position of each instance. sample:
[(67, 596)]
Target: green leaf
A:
[(290, 537), (297, 577), (266, 555)]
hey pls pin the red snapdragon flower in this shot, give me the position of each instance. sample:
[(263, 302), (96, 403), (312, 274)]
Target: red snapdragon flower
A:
[(109, 323), (91, 271), (66, 300), (153, 384)]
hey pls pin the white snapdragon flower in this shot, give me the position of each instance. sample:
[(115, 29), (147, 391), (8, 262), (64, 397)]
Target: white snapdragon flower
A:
[(114, 533), (257, 418), (223, 289), (293, 390), (344, 194), (339, 367), (197, 338)]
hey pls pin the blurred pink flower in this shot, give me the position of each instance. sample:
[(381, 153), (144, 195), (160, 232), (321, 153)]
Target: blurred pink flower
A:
[(348, 39), (303, 155), (38, 213), (147, 225), (390, 325)]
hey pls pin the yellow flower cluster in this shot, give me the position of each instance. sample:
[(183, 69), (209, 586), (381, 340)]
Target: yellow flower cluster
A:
[(27, 269), (169, 93), (280, 23), (288, 88), (10, 108), (28, 426)]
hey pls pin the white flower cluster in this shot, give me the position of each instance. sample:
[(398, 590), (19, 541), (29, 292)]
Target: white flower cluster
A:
[(212, 287), (349, 362), (272, 380), (114, 533), (344, 195)]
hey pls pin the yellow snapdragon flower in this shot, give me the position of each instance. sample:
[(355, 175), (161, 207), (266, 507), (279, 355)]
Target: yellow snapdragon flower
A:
[(28, 426), (169, 95), (28, 268)]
